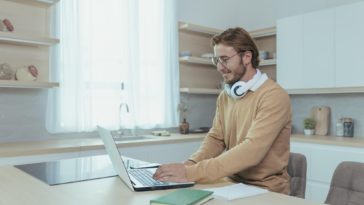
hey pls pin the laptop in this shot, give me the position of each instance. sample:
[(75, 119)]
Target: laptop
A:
[(137, 179)]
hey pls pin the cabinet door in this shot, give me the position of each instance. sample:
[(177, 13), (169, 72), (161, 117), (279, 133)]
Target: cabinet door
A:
[(318, 50), (322, 161), (349, 45), (289, 52)]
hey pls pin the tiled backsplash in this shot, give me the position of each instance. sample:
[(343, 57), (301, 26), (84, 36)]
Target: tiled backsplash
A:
[(341, 105)]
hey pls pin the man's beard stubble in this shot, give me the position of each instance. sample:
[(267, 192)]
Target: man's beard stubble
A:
[(237, 77)]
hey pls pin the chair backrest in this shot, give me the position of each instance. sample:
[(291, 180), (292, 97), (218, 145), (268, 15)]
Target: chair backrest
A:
[(297, 168), (347, 184)]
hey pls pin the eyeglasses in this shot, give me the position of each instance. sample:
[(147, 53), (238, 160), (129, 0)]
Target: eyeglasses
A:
[(223, 60)]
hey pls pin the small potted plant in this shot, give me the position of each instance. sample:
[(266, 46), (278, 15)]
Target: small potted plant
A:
[(309, 126)]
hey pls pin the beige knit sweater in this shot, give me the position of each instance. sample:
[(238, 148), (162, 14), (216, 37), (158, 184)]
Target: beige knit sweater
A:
[(249, 140)]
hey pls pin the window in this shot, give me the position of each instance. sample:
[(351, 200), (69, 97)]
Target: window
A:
[(105, 43)]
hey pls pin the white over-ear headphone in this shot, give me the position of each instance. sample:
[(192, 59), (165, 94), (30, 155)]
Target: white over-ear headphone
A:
[(240, 88)]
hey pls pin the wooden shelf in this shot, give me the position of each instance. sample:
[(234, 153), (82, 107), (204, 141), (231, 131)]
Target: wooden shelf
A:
[(267, 62), (313, 91), (205, 61), (199, 29), (205, 91), (36, 2), (261, 33), (195, 60), (27, 84), (21, 39)]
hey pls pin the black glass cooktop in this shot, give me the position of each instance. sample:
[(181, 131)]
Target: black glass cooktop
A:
[(70, 170)]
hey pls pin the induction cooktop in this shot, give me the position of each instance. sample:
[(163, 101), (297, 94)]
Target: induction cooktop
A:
[(70, 170)]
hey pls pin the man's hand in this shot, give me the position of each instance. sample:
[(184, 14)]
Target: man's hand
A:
[(171, 172), (189, 162)]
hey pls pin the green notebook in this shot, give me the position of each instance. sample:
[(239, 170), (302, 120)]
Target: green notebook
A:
[(183, 197)]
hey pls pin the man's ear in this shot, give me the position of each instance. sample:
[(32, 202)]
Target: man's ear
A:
[(247, 58)]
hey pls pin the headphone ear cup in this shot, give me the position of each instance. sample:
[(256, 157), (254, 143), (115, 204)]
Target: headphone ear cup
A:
[(239, 89)]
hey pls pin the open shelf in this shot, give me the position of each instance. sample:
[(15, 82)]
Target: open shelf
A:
[(199, 29), (26, 84), (36, 2), (195, 60), (261, 33), (21, 39), (267, 62), (311, 91), (205, 91), (205, 61)]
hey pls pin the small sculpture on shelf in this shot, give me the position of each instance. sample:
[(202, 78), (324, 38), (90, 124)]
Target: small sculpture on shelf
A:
[(26, 73), (6, 72), (184, 125), (6, 25), (309, 126)]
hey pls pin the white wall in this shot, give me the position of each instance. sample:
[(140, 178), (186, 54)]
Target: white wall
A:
[(248, 14)]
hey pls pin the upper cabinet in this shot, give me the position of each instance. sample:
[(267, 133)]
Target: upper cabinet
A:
[(320, 52), (290, 52), (349, 43), (197, 73), (28, 44), (318, 49), (306, 50)]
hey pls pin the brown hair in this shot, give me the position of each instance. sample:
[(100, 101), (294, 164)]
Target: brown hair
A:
[(240, 40)]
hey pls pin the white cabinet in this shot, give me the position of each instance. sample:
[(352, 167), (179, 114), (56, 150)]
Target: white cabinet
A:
[(290, 52), (318, 49), (349, 44), (322, 161), (331, 51), (29, 43), (306, 50)]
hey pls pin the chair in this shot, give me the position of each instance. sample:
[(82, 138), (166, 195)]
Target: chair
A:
[(297, 168), (347, 184)]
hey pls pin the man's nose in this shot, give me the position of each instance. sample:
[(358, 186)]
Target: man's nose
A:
[(220, 67)]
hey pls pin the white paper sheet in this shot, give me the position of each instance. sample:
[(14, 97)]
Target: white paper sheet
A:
[(237, 191)]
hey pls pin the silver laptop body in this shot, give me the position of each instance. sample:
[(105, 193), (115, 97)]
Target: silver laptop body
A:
[(135, 179)]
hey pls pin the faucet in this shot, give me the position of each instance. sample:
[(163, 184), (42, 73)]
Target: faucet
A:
[(120, 131)]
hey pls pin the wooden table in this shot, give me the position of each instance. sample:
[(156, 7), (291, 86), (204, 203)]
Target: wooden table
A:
[(17, 187)]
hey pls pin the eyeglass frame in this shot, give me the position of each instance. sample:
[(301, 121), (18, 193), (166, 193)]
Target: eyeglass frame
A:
[(224, 62)]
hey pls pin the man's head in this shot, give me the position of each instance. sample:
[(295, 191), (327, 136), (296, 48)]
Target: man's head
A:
[(236, 55)]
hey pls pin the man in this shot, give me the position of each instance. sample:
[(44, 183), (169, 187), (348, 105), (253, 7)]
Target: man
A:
[(249, 139)]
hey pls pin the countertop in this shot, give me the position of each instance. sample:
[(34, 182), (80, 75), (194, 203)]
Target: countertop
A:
[(329, 140), (19, 188), (53, 146), (15, 149)]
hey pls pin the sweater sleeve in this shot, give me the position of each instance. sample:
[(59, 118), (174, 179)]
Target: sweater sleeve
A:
[(272, 115), (213, 144)]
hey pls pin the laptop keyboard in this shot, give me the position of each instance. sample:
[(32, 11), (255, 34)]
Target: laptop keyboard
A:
[(145, 177)]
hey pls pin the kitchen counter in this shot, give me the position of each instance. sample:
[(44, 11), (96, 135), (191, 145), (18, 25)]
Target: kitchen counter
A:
[(59, 146), (329, 140), (56, 146)]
